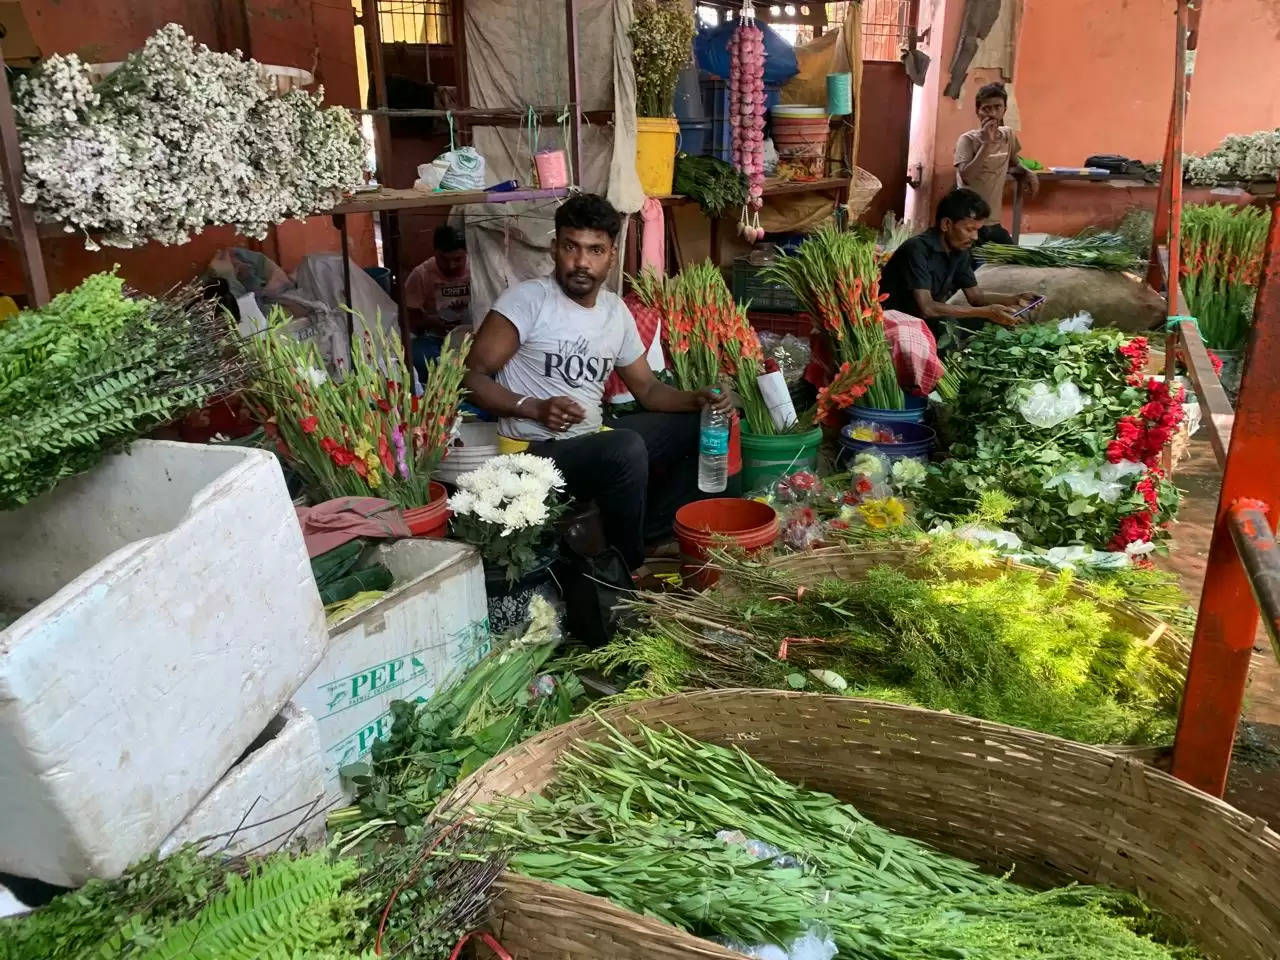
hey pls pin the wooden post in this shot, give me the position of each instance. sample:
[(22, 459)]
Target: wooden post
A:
[(22, 221), (575, 99)]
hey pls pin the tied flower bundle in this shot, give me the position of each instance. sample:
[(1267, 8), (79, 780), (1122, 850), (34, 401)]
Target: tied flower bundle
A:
[(835, 274), (1222, 250), (746, 119), (506, 509), (364, 434), (661, 37), (179, 137)]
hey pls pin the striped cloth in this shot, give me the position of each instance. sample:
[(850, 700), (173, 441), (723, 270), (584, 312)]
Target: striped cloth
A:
[(915, 355)]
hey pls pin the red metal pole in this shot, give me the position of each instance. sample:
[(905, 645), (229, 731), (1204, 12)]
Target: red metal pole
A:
[(1228, 620)]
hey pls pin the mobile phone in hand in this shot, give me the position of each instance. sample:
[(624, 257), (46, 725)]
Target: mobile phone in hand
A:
[(1029, 307)]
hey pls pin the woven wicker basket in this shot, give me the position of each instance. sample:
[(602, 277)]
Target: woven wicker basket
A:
[(998, 796), (863, 187)]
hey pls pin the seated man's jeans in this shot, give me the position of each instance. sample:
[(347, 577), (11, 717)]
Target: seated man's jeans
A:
[(639, 472)]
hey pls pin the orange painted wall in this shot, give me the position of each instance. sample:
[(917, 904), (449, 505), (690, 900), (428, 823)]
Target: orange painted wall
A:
[(1098, 78), (315, 35)]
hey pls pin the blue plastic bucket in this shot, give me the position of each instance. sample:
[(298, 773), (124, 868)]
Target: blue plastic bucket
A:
[(695, 137), (381, 276), (917, 443), (912, 412)]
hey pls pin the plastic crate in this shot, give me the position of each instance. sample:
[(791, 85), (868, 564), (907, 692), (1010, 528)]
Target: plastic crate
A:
[(783, 324), (715, 102), (750, 288)]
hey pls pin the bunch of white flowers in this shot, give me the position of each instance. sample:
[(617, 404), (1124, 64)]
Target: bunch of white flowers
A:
[(176, 139), (1247, 157), (511, 492)]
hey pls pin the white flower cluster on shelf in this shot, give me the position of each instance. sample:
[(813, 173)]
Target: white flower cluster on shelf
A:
[(178, 138), (1247, 157), (511, 492)]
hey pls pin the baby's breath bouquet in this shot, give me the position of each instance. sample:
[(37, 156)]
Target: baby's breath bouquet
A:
[(506, 508), (661, 44)]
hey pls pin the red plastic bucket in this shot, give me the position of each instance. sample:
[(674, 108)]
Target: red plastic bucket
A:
[(747, 524), (433, 519)]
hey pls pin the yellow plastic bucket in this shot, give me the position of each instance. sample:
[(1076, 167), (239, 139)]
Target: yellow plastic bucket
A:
[(656, 153)]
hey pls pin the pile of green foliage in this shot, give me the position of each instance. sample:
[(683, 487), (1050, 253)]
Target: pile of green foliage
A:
[(646, 824), (1099, 251), (1014, 648), (718, 187), (319, 905), (434, 743), (95, 370), (994, 447)]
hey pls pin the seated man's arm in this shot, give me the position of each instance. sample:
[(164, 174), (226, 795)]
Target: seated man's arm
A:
[(1000, 306), (494, 345), (654, 395), (931, 309)]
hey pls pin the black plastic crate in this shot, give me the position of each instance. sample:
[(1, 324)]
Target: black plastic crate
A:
[(749, 286)]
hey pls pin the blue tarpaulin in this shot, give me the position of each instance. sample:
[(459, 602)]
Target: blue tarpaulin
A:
[(711, 50)]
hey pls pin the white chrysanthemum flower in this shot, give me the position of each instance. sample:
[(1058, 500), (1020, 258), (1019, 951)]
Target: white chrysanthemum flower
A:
[(463, 502)]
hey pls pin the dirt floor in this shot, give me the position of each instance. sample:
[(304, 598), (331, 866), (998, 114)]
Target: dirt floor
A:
[(1254, 784)]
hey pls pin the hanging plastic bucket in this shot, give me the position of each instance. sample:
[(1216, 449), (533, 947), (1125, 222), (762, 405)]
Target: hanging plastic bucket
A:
[(916, 443), (767, 458), (656, 153), (433, 519), (912, 412), (704, 524), (800, 135)]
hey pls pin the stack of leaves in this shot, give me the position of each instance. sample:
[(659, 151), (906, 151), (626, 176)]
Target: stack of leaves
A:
[(365, 434), (715, 185), (1222, 250), (95, 370), (1012, 649), (1098, 251), (708, 840), (433, 744), (836, 276), (415, 899), (1069, 479)]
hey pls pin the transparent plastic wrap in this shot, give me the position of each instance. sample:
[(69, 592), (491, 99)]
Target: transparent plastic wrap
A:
[(1044, 406)]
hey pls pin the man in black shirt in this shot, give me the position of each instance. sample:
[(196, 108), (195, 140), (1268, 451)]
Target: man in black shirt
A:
[(927, 270)]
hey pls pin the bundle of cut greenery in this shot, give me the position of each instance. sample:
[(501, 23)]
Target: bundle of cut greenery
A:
[(675, 828), (95, 370), (1222, 248), (716, 186), (1012, 648), (414, 899), (433, 744), (1101, 251)]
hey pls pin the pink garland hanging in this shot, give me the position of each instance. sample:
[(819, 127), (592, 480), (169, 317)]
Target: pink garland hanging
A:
[(746, 115)]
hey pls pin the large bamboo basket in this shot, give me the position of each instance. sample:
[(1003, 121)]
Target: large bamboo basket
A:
[(1054, 810)]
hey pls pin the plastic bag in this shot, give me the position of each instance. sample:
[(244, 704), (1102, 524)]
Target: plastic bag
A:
[(816, 944), (757, 848), (1044, 406), (460, 169), (1107, 481), (1081, 322)]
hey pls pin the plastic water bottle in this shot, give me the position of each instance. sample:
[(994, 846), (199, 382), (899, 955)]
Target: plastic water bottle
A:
[(713, 451)]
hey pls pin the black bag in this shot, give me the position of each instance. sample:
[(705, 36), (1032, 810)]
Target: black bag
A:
[(1113, 163), (593, 578)]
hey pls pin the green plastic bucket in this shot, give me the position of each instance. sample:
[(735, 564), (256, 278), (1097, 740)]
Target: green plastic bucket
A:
[(767, 458)]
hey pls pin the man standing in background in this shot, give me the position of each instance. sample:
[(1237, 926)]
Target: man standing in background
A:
[(985, 156), (437, 297)]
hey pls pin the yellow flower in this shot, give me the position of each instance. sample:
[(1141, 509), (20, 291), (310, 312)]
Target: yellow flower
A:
[(864, 433), (363, 450), (375, 471), (883, 514)]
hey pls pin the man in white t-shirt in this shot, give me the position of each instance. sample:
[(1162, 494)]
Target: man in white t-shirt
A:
[(540, 362)]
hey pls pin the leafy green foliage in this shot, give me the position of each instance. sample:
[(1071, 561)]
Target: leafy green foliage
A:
[(715, 185), (437, 742), (642, 824), (94, 370), (995, 448), (1100, 251), (1011, 649)]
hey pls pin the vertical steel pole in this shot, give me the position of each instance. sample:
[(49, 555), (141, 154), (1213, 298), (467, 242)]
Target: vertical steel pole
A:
[(26, 236), (1228, 618)]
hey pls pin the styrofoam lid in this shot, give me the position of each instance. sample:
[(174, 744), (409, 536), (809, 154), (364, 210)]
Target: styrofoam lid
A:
[(791, 110)]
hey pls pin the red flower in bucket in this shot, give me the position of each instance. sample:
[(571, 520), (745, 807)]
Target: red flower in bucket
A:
[(309, 424)]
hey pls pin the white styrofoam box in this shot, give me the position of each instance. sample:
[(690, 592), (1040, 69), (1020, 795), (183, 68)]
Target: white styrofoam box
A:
[(430, 627), (273, 795), (11, 906), (170, 614)]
